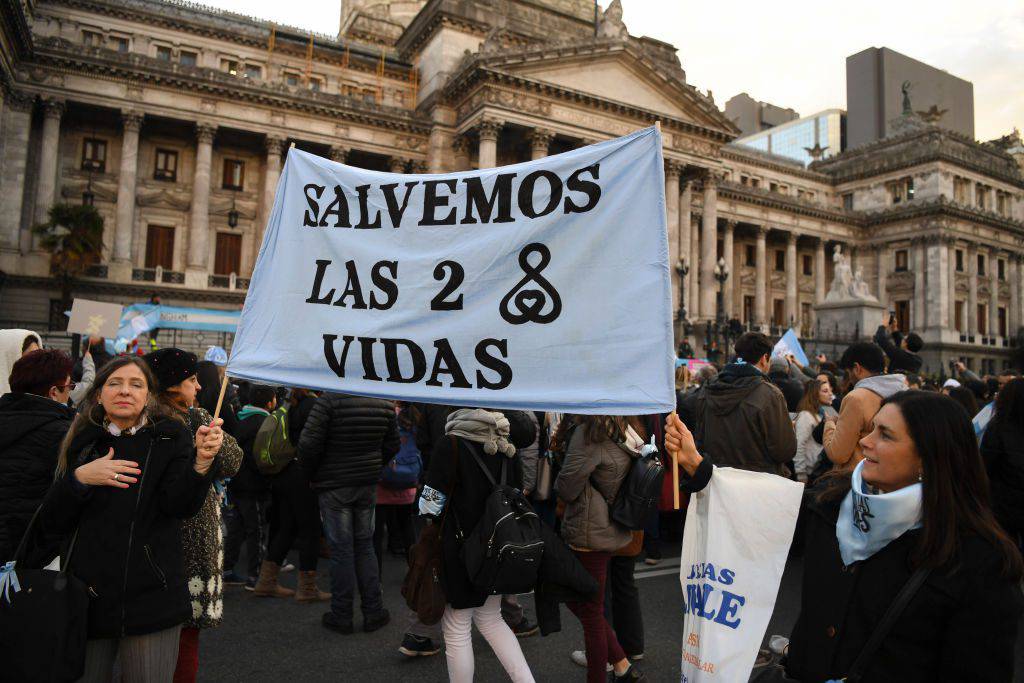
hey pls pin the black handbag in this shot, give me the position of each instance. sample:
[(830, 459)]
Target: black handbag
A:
[(776, 673), (43, 619)]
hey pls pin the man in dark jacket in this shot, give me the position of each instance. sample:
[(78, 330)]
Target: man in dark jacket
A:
[(901, 350), (34, 418), (792, 388), (345, 443), (247, 492), (741, 417)]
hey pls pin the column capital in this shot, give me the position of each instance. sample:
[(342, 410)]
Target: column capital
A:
[(934, 239), (460, 145), (19, 101), (761, 231), (710, 178), (397, 164), (339, 153), (673, 169), (205, 132), (419, 166), (792, 237), (131, 120), (273, 145), (540, 139), (53, 108), (730, 224), (488, 129)]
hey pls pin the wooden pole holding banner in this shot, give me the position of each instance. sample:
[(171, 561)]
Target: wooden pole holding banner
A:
[(220, 397), (675, 478)]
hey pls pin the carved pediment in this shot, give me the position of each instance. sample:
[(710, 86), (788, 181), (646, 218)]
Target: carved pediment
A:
[(103, 191), (163, 198)]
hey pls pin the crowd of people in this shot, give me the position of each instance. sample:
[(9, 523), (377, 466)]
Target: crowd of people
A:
[(125, 474)]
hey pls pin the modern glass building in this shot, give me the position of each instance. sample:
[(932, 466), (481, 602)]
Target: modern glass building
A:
[(796, 139)]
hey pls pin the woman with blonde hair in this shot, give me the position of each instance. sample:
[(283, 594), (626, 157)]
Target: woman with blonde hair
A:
[(127, 474)]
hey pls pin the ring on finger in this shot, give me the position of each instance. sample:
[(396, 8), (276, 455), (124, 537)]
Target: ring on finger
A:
[(117, 477)]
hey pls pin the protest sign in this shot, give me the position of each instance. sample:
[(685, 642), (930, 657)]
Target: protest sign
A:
[(538, 286), (94, 318), (737, 536), (790, 344)]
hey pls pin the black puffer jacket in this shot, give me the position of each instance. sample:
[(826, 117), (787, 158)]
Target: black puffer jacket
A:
[(31, 429), (347, 440), (129, 547)]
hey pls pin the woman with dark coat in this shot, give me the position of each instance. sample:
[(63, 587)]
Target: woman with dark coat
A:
[(126, 477), (176, 375), (34, 418), (1002, 449), (455, 480), (919, 500)]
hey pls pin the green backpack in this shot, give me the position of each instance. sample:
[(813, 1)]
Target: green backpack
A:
[(272, 449)]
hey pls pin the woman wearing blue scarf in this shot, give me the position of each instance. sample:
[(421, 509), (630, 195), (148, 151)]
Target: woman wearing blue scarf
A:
[(919, 500)]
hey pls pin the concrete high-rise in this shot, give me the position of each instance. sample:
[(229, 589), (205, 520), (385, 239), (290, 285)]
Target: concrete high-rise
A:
[(751, 116), (874, 95)]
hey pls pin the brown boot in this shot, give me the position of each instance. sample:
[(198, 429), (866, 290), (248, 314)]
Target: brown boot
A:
[(308, 590), (267, 585)]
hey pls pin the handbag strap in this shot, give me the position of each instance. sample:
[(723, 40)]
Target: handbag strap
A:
[(483, 467), (20, 552), (889, 619)]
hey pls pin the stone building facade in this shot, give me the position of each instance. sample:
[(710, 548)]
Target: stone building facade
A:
[(174, 120)]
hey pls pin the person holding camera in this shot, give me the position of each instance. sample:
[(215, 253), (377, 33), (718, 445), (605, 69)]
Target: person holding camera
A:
[(901, 350)]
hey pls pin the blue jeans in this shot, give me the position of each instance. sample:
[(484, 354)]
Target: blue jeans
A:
[(347, 514)]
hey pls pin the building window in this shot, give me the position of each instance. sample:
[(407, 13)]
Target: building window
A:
[(807, 269), (778, 312), (1001, 269), (1001, 314), (748, 309), (959, 260), (958, 316), (166, 165), (234, 174), (749, 255), (744, 180), (901, 190), (187, 58), (229, 66), (755, 182), (94, 155), (92, 38), (901, 309), (805, 315), (780, 260), (981, 264), (982, 315), (253, 71), (315, 84), (163, 53), (961, 190), (291, 79), (848, 201), (902, 258), (228, 255), (773, 187), (719, 250), (981, 196), (121, 44), (160, 247)]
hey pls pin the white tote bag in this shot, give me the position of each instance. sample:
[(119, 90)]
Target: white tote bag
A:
[(737, 537)]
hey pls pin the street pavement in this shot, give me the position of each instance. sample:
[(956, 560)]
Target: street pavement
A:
[(265, 639)]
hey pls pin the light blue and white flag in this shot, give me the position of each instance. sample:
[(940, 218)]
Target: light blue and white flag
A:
[(541, 286), (140, 318), (790, 344)]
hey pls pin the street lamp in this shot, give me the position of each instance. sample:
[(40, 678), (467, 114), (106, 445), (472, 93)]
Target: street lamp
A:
[(721, 328), (233, 214), (682, 270)]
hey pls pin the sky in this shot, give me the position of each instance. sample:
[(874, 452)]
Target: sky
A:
[(793, 54)]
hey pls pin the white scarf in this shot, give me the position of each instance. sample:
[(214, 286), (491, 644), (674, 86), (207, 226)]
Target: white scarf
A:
[(870, 521)]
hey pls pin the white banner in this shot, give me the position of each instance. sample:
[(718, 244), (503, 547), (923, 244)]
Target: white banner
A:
[(737, 536), (539, 286), (94, 318)]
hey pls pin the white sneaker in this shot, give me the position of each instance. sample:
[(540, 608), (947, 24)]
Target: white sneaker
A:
[(579, 658), (287, 567)]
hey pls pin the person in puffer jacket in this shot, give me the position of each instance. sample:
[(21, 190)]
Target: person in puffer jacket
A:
[(864, 363), (345, 443)]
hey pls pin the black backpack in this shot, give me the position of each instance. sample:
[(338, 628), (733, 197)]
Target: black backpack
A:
[(503, 553), (640, 490)]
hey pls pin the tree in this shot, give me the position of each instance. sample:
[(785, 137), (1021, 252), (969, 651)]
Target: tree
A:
[(73, 236)]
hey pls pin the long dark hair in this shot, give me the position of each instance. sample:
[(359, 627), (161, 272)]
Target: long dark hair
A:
[(1010, 403), (92, 412), (956, 500), (598, 428)]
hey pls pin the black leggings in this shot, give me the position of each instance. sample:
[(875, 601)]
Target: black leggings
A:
[(296, 516), (398, 520)]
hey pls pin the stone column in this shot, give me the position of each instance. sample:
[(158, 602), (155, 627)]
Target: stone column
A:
[(709, 246), (461, 149), (671, 222), (126, 186), (487, 156), (950, 243), (792, 280), (1016, 319), (761, 277), (540, 140), (692, 289), (199, 228), (46, 185), (993, 286), (919, 318), (397, 164), (972, 289), (272, 174), (685, 220), (937, 293), (819, 271), (882, 272), (339, 153), (17, 124), (727, 254)]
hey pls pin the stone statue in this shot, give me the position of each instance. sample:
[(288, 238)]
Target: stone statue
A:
[(859, 288), (905, 89), (847, 285), (611, 24)]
